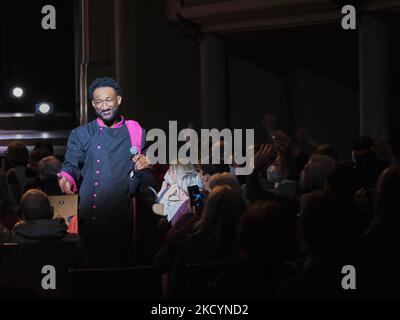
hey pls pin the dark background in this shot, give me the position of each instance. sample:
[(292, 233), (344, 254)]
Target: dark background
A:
[(42, 62), (308, 75)]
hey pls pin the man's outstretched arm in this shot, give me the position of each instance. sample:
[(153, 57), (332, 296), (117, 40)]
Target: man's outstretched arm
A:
[(74, 157)]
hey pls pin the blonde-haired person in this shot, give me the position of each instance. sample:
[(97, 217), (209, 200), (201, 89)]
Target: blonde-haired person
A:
[(173, 198), (224, 179)]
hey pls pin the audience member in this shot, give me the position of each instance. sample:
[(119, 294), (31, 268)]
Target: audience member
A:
[(47, 181), (213, 238), (38, 223), (267, 243)]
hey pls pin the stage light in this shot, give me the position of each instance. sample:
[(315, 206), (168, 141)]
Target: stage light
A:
[(17, 92), (44, 109)]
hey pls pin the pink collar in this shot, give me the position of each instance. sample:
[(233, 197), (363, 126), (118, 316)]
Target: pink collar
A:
[(117, 125)]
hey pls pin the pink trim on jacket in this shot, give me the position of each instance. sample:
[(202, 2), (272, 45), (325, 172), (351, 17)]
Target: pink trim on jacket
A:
[(134, 129), (70, 179), (135, 133)]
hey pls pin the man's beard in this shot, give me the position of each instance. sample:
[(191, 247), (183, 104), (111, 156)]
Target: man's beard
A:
[(108, 116)]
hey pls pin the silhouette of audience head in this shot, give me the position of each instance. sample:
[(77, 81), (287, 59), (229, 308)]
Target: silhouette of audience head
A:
[(316, 171), (388, 192), (45, 144), (49, 167), (269, 120), (267, 231), (343, 180), (5, 198), (220, 217), (327, 150), (36, 155), (35, 205), (225, 179), (17, 154)]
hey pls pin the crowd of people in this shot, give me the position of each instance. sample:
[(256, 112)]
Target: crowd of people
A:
[(26, 182), (284, 232)]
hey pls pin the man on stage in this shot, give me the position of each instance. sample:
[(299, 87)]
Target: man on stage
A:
[(104, 158)]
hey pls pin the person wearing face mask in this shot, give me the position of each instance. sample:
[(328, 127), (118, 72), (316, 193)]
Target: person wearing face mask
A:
[(273, 174), (101, 160), (206, 171), (315, 172), (278, 174)]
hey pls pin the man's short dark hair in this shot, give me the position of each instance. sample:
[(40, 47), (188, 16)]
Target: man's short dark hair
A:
[(45, 144), (35, 205), (49, 167), (17, 153), (104, 82)]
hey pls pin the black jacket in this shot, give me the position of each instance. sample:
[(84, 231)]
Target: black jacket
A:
[(40, 230)]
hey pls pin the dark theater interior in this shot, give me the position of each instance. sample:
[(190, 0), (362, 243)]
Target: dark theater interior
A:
[(181, 151)]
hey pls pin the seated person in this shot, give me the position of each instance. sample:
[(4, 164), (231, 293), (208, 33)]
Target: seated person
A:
[(39, 152), (173, 199), (38, 224), (8, 216), (47, 181), (17, 177), (213, 237)]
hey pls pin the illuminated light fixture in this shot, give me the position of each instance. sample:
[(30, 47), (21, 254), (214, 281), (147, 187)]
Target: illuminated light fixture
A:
[(45, 135), (44, 109), (17, 92)]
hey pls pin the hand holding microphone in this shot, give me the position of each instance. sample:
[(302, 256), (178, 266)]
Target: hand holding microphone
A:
[(140, 161)]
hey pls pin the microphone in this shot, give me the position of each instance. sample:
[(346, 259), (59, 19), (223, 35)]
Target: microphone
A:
[(134, 151), (134, 174)]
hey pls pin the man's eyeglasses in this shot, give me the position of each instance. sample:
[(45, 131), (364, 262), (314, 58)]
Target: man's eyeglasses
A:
[(99, 102)]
